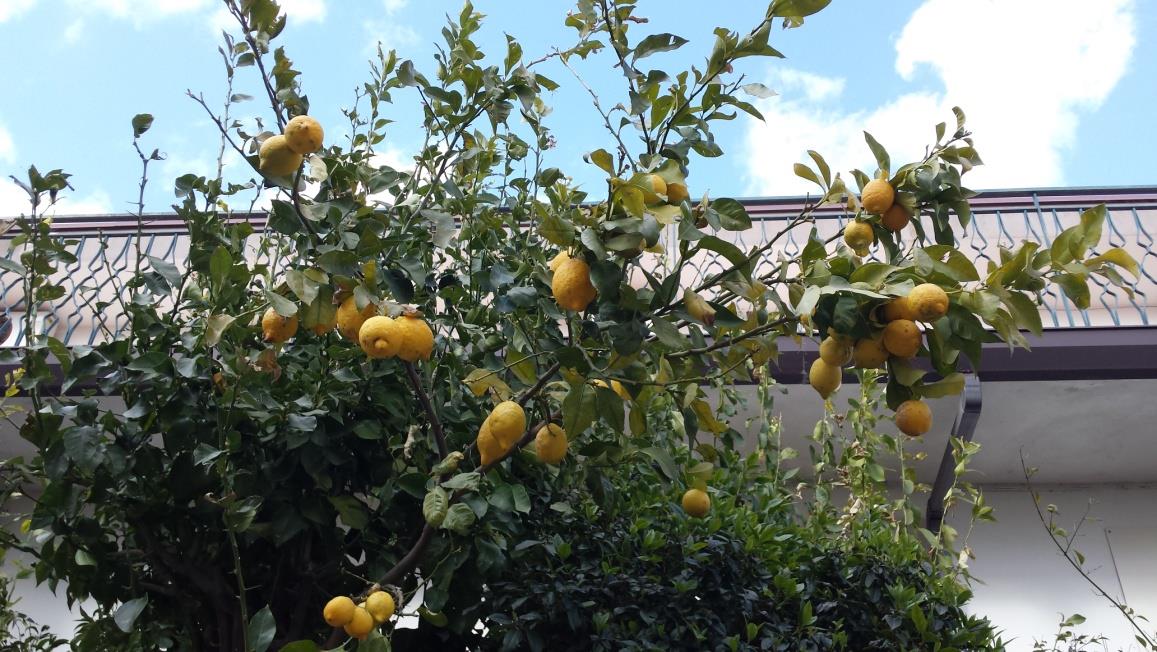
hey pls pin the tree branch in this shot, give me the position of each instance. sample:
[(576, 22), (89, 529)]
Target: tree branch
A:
[(542, 381), (435, 423)]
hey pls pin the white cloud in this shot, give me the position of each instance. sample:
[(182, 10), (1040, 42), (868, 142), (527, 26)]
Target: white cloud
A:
[(74, 31), (389, 34), (304, 11), (13, 8), (7, 147), (1041, 63), (14, 202), (141, 11)]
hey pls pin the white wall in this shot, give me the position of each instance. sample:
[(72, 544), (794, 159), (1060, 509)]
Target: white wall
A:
[(1027, 584)]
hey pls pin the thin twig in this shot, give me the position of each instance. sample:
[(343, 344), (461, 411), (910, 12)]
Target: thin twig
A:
[(599, 107), (728, 341), (1125, 611), (542, 381)]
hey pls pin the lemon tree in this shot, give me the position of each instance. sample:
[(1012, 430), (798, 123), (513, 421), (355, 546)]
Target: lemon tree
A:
[(423, 369)]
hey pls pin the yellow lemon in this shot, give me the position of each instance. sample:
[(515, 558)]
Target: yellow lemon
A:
[(914, 418), (350, 319), (869, 353), (276, 159), (489, 448), (877, 196), (338, 611), (304, 135), (825, 378), (902, 338), (507, 423), (658, 185), (895, 218), (360, 625), (561, 258), (696, 503), (676, 193), (859, 237), (417, 338), (572, 286), (550, 444), (275, 328), (897, 308), (835, 351), (380, 604), (380, 337), (928, 302)]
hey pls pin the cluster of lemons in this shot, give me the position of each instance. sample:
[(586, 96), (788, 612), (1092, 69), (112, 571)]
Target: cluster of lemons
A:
[(878, 197), (280, 155), (571, 283), (901, 336), (503, 427), (360, 619), (407, 337)]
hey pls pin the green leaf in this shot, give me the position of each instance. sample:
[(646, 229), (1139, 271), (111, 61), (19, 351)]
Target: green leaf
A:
[(338, 261), (215, 327), (459, 518), (797, 8), (352, 511), (657, 43), (949, 385), (300, 646), (13, 266), (468, 481), (872, 273), (435, 506), (521, 499), (732, 215), (881, 154), (1118, 257), (729, 251), (262, 628), (669, 335), (556, 228), (664, 460), (220, 264), (126, 615), (141, 124), (282, 305), (603, 159), (1075, 288), (578, 409), (1024, 311), (804, 172)]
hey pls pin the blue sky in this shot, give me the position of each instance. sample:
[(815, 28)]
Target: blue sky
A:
[(1060, 92)]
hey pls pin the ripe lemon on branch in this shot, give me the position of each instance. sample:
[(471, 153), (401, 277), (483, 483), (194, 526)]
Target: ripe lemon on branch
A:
[(696, 503), (507, 423), (276, 158), (276, 328), (902, 338), (380, 337), (572, 286), (928, 302), (303, 134), (550, 444), (877, 196), (859, 237), (914, 418), (339, 611), (417, 338), (380, 604), (350, 319), (825, 378)]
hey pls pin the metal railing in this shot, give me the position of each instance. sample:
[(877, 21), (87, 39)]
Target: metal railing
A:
[(106, 248)]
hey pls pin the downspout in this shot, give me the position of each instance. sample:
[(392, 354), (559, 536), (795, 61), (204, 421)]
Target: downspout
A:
[(963, 428)]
